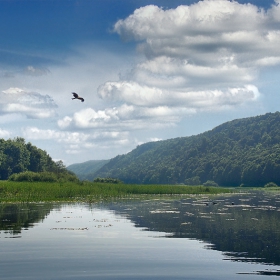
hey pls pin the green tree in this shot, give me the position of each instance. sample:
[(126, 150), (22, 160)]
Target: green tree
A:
[(18, 157)]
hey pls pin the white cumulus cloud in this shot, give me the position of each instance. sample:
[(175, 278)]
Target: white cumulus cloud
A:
[(200, 57), (124, 118), (74, 142), (134, 93), (31, 104)]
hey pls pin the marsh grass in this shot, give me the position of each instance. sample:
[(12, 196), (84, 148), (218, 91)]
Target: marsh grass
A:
[(88, 191)]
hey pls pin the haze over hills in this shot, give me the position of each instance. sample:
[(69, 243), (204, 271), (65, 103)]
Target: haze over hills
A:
[(243, 151), (86, 170)]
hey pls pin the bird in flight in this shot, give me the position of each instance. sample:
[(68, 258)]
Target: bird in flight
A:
[(76, 96)]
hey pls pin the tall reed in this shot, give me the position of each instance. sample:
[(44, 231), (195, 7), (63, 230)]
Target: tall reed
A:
[(70, 191)]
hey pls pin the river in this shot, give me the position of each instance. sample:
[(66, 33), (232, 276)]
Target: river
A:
[(160, 237)]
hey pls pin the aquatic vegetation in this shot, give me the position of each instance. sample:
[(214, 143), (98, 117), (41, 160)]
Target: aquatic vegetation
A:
[(11, 191)]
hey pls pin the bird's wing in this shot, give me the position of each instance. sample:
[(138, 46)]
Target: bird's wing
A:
[(75, 94)]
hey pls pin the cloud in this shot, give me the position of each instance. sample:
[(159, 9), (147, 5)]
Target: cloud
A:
[(134, 93), (4, 133), (35, 71), (75, 142), (204, 32), (31, 104), (123, 118), (206, 56)]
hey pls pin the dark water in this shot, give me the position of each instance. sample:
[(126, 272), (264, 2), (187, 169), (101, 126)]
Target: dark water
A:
[(223, 237)]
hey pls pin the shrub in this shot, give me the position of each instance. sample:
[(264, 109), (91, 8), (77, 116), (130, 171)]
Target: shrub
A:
[(27, 176), (107, 180), (210, 184), (270, 185), (30, 176), (193, 181)]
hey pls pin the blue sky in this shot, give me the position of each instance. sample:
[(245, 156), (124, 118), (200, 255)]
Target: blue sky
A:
[(148, 70)]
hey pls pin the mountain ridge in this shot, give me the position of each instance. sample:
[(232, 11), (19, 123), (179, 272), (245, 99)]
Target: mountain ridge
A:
[(239, 152)]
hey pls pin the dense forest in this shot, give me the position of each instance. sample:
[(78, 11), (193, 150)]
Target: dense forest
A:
[(18, 157), (240, 152)]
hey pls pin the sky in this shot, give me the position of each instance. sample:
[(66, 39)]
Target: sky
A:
[(148, 70)]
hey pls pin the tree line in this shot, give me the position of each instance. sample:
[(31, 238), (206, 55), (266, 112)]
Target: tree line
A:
[(19, 157), (241, 152)]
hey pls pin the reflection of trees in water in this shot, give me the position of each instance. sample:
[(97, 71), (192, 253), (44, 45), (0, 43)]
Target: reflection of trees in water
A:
[(244, 227), (15, 217)]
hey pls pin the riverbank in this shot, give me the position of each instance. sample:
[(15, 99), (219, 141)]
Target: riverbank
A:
[(89, 191)]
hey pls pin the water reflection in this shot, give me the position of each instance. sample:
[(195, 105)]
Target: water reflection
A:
[(243, 227), (17, 217)]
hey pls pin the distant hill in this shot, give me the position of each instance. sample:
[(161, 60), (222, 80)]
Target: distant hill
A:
[(243, 151), (85, 170)]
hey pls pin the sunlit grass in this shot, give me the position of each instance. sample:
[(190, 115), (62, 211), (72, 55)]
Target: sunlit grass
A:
[(88, 191)]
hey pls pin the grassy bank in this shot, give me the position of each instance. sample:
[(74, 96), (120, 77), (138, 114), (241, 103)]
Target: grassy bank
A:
[(87, 191)]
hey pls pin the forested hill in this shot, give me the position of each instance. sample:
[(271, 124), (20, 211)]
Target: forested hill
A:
[(244, 151), (86, 170), (16, 156)]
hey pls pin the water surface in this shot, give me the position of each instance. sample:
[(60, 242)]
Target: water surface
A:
[(232, 237)]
